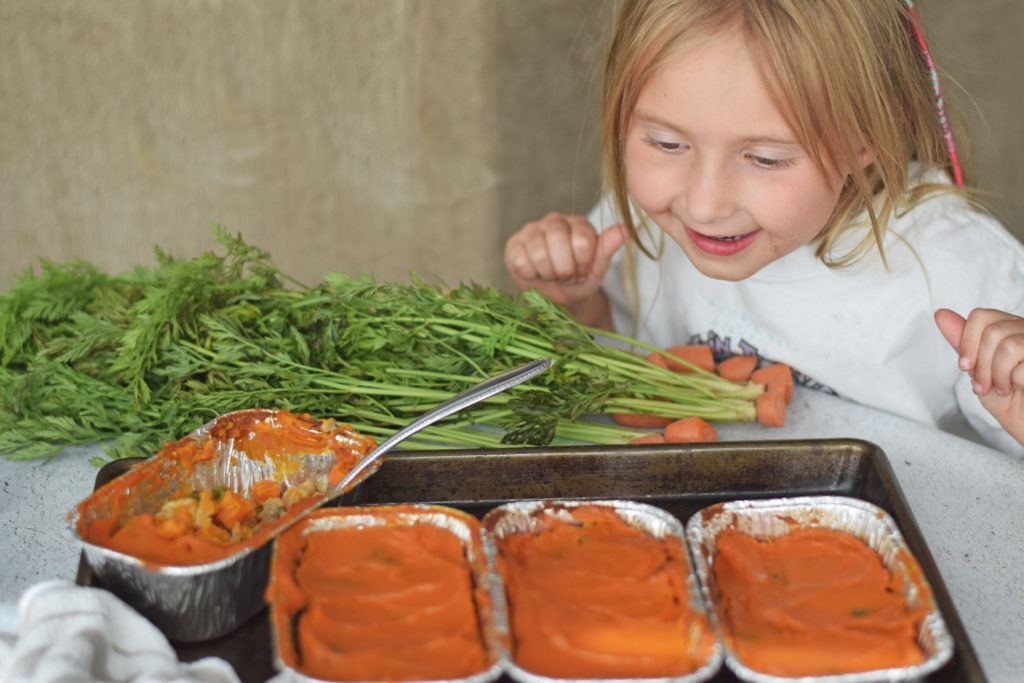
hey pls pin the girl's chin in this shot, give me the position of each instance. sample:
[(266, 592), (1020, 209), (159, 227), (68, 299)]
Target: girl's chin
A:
[(717, 271)]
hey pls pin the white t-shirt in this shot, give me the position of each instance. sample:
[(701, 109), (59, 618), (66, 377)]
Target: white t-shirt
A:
[(862, 332)]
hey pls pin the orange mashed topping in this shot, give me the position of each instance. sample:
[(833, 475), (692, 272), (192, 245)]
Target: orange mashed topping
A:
[(196, 526), (599, 598), (375, 603), (814, 602)]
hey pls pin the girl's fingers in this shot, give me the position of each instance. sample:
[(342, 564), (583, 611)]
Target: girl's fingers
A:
[(1008, 369), (558, 248), (1017, 378), (1003, 342), (562, 257), (991, 347), (550, 252), (951, 325), (571, 244), (608, 242), (528, 256), (517, 260)]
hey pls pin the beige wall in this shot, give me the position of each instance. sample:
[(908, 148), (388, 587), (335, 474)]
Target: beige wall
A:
[(978, 45), (381, 136)]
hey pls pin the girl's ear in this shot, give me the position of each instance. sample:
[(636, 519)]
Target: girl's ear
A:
[(866, 156)]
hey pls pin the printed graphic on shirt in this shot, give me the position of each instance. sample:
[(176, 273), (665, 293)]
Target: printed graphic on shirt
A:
[(722, 348)]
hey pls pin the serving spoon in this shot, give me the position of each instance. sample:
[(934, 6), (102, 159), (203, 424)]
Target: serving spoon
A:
[(486, 389)]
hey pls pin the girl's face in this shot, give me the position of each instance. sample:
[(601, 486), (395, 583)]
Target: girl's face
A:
[(711, 159)]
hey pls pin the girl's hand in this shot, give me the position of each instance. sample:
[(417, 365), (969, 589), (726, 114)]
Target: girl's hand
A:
[(564, 258), (990, 345)]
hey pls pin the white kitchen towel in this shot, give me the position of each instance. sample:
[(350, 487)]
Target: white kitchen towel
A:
[(74, 634)]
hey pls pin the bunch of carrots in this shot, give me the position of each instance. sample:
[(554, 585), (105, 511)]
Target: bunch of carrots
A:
[(770, 406)]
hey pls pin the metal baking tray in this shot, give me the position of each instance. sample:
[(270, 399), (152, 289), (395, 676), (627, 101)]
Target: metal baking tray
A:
[(680, 479)]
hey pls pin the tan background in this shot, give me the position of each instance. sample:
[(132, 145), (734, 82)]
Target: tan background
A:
[(367, 136)]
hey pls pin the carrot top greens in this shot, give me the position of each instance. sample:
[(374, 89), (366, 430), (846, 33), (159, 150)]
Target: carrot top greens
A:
[(141, 358)]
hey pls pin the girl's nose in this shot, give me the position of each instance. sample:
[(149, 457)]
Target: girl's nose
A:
[(708, 192)]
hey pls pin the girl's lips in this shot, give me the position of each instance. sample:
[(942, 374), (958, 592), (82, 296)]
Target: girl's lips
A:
[(722, 246)]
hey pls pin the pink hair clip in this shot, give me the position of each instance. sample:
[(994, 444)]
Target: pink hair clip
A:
[(954, 159)]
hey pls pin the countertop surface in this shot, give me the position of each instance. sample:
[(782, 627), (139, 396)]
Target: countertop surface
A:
[(967, 500)]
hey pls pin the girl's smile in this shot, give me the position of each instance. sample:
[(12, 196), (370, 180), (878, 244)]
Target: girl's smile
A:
[(713, 161), (721, 246)]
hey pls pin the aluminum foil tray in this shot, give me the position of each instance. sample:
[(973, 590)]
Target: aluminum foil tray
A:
[(775, 518), (529, 517), (680, 479), (196, 602), (464, 527)]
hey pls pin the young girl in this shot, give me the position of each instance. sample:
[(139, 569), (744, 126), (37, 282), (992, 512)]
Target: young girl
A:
[(782, 182)]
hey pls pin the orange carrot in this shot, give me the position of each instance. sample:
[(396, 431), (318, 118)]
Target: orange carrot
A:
[(262, 491), (690, 430), (778, 374), (697, 354), (737, 368), (180, 523), (214, 534), (233, 508), (640, 421), (649, 438), (782, 385), (657, 359), (770, 408)]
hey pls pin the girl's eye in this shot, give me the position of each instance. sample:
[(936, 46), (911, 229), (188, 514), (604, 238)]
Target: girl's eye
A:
[(664, 146), (769, 163)]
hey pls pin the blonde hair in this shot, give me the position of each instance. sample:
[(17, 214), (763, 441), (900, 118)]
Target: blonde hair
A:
[(848, 74)]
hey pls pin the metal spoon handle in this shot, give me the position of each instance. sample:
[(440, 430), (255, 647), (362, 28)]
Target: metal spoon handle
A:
[(461, 401)]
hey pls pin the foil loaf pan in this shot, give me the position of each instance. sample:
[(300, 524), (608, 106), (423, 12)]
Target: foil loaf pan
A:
[(200, 602), (772, 518), (289, 548), (528, 517)]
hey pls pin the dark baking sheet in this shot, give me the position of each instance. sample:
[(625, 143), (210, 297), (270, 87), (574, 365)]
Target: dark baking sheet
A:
[(679, 479)]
